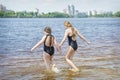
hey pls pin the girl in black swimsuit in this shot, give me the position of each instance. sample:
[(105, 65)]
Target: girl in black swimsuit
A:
[(71, 33), (49, 43), (72, 43), (49, 49)]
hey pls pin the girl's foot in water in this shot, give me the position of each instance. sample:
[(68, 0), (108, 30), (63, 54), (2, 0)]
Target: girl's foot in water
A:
[(74, 70), (55, 69)]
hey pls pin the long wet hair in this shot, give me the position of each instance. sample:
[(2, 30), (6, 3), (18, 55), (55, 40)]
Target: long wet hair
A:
[(49, 31), (68, 24)]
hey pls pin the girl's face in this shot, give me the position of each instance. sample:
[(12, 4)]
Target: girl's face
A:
[(45, 32)]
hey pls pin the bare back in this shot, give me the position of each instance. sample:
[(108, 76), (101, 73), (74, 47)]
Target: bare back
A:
[(70, 33), (49, 41)]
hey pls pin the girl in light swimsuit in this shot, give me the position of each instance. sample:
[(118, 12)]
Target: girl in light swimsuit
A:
[(71, 33), (49, 42)]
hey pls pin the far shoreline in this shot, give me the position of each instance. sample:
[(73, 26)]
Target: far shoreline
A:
[(58, 18)]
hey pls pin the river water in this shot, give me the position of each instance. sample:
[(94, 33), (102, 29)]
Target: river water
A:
[(98, 61)]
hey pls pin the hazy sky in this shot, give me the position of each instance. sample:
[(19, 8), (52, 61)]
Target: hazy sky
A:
[(59, 5)]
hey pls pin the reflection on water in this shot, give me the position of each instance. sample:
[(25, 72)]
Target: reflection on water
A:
[(99, 61)]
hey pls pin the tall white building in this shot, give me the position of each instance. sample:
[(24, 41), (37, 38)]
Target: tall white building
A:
[(71, 10), (89, 13), (92, 13), (2, 8)]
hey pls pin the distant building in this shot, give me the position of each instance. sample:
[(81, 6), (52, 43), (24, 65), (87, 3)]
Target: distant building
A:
[(76, 12), (82, 15), (106, 13), (92, 13), (2, 8), (65, 11), (110, 13), (95, 13), (70, 10), (89, 13)]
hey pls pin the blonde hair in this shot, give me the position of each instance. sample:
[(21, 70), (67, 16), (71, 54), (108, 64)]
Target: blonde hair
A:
[(68, 24)]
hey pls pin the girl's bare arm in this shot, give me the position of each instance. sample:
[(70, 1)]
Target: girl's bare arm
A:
[(39, 43), (64, 38), (82, 37), (57, 45)]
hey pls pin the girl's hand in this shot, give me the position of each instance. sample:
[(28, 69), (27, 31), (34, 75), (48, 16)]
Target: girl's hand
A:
[(31, 50), (59, 49), (88, 43)]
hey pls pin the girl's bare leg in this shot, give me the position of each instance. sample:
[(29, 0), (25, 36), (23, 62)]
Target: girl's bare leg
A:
[(47, 60), (68, 57), (51, 57)]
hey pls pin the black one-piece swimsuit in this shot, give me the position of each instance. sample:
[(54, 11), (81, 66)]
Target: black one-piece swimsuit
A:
[(72, 43), (48, 49)]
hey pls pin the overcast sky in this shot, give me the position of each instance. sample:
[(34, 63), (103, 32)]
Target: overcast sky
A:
[(59, 5)]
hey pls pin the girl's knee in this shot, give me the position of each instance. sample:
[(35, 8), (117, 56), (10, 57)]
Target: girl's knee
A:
[(66, 58)]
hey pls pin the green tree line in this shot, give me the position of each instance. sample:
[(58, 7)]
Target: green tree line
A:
[(24, 14)]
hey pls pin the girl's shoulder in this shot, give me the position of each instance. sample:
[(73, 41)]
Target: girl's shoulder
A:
[(68, 30), (44, 36), (75, 28)]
